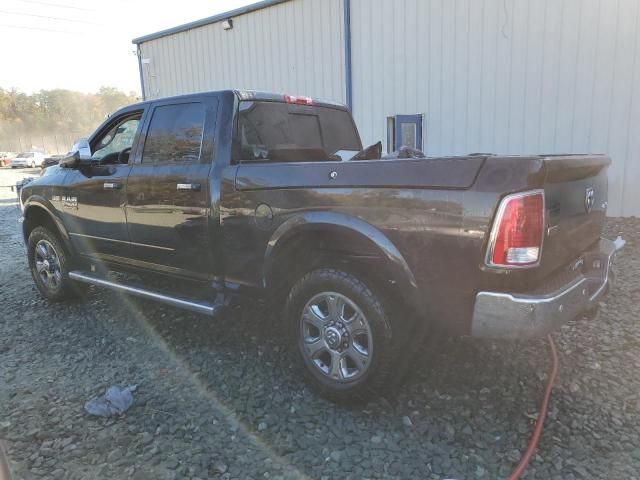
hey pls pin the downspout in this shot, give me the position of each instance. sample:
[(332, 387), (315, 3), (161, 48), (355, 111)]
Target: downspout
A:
[(347, 53), (139, 55)]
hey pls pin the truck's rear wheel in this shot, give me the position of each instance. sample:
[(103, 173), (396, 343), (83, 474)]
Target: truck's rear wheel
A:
[(342, 335), (49, 265)]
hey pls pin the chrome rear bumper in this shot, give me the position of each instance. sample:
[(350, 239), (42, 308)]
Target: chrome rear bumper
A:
[(520, 316)]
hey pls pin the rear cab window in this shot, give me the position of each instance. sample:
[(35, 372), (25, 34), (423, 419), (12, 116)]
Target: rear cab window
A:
[(268, 131)]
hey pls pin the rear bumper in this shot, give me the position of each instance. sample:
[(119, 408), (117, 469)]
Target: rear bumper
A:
[(521, 316)]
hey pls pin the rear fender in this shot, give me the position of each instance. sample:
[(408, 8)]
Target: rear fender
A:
[(396, 268)]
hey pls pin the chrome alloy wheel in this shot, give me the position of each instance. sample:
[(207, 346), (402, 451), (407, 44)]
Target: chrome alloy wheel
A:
[(48, 265), (336, 337)]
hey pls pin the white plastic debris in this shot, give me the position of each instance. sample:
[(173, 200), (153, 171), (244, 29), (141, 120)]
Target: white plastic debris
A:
[(619, 243), (113, 402)]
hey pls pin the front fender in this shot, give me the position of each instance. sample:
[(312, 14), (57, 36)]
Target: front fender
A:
[(340, 222), (35, 205)]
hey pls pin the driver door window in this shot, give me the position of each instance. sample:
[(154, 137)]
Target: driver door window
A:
[(114, 146)]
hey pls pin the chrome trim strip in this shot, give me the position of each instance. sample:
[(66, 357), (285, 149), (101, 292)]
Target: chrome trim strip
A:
[(533, 300), (121, 241), (204, 308)]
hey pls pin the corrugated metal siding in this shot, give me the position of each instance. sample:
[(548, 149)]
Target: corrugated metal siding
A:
[(506, 76), (294, 47)]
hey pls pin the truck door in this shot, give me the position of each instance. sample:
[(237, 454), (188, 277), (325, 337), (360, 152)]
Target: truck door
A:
[(168, 202), (93, 197)]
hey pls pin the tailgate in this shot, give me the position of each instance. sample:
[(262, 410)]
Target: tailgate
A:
[(576, 200)]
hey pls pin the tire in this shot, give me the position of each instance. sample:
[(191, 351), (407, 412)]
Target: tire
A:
[(49, 263), (343, 335)]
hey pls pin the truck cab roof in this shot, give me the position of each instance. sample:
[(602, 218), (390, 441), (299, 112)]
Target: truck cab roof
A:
[(242, 95)]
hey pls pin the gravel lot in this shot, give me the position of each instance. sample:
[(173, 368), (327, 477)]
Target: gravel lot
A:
[(220, 399)]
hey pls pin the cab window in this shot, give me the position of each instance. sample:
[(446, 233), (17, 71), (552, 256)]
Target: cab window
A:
[(114, 145), (175, 134), (281, 132)]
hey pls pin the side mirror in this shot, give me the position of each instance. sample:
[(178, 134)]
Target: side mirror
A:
[(82, 147), (70, 161)]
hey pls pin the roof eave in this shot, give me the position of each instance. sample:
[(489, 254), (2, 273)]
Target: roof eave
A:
[(209, 20)]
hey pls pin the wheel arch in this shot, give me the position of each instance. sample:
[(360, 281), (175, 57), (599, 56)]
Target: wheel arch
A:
[(38, 213), (316, 239)]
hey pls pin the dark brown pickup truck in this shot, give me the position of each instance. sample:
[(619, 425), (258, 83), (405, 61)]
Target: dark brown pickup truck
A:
[(228, 193)]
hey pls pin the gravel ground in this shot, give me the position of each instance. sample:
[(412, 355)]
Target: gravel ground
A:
[(220, 399)]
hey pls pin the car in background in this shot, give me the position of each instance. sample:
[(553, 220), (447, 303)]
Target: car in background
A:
[(81, 145), (51, 160), (5, 158), (28, 159)]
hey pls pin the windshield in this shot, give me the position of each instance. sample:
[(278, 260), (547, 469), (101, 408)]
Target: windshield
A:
[(284, 132)]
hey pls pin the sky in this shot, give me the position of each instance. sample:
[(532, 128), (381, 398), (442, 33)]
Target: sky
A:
[(85, 44)]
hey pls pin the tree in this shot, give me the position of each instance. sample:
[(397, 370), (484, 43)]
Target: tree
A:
[(28, 120)]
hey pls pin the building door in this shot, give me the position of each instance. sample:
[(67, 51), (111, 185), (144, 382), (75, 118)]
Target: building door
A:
[(404, 131)]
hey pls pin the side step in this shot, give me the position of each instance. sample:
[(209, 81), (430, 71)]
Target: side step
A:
[(205, 308)]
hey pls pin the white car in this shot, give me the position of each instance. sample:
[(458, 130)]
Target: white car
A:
[(28, 159)]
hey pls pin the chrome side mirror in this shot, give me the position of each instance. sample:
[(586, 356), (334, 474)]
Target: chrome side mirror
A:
[(83, 148)]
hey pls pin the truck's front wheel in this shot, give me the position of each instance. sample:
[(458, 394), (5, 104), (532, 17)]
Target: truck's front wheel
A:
[(343, 335), (49, 265)]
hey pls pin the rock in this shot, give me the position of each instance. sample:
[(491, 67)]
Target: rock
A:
[(47, 452), (336, 456), (406, 421), (114, 455), (262, 426), (458, 432), (219, 468), (58, 473), (450, 431), (147, 438)]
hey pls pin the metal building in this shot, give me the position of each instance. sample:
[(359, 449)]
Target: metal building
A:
[(449, 76)]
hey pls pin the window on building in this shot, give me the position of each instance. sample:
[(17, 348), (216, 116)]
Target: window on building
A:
[(175, 134), (404, 131)]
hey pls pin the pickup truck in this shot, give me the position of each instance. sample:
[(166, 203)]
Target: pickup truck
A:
[(210, 197)]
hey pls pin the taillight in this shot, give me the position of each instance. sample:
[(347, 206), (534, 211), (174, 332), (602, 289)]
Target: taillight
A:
[(516, 237), (298, 100)]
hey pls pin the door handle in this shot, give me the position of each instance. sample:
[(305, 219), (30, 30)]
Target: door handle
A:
[(112, 186), (192, 187)]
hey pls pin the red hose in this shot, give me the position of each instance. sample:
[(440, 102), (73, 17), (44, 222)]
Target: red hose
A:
[(544, 406)]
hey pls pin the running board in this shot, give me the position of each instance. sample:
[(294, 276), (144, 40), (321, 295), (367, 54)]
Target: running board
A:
[(205, 308)]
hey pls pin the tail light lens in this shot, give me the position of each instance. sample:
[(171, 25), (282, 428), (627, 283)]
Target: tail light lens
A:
[(516, 237)]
